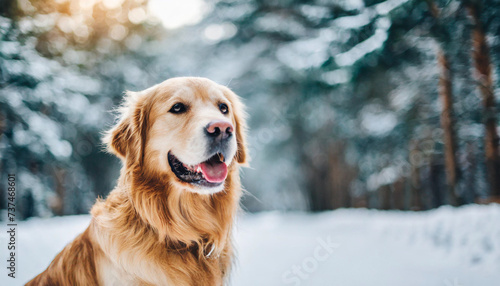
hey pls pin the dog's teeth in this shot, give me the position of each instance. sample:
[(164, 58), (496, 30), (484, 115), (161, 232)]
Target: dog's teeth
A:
[(221, 157), (198, 169)]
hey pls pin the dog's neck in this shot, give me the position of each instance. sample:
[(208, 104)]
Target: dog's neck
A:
[(150, 225), (182, 218)]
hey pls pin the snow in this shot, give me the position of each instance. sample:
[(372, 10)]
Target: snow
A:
[(369, 45), (377, 40), (336, 77), (386, 7), (351, 4), (309, 52), (304, 54), (315, 13), (387, 176), (447, 246), (273, 23), (354, 22), (376, 120), (218, 32)]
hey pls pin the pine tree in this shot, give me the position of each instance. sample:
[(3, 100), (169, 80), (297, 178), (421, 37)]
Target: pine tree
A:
[(446, 96), (483, 75), (57, 85)]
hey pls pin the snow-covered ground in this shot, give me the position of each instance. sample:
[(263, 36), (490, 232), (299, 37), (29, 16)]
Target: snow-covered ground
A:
[(443, 247)]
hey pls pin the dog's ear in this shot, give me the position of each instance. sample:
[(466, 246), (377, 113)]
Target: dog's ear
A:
[(117, 138), (240, 115), (241, 142), (128, 137)]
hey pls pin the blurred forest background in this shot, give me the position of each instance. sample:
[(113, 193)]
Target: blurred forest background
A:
[(353, 103)]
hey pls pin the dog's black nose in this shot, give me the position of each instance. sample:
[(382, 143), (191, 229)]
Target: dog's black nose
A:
[(220, 128)]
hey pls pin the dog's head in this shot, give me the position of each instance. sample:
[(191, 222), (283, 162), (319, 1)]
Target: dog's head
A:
[(190, 130)]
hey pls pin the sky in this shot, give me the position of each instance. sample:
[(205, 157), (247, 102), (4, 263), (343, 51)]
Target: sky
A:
[(175, 14)]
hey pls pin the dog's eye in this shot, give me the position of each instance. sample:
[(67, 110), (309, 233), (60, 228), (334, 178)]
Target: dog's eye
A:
[(223, 108), (178, 108)]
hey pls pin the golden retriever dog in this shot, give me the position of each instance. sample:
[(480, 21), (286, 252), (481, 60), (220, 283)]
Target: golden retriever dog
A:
[(169, 219)]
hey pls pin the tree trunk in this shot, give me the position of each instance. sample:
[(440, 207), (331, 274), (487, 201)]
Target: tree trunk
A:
[(435, 181), (384, 197), (482, 64), (415, 183), (398, 189), (470, 193), (446, 96), (340, 176)]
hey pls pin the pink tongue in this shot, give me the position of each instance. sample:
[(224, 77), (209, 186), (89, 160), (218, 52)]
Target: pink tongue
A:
[(214, 172)]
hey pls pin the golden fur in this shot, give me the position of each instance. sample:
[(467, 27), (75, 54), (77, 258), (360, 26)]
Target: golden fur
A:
[(153, 229)]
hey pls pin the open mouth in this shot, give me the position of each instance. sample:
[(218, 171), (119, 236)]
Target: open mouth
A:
[(210, 173)]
